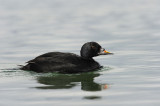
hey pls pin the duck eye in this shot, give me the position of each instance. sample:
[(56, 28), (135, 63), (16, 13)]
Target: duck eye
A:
[(93, 47)]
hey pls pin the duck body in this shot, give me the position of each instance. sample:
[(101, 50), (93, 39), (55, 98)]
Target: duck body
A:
[(68, 62), (61, 62)]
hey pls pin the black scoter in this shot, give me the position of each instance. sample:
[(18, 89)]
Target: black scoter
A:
[(68, 62)]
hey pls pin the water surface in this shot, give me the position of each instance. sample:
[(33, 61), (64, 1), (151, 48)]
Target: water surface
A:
[(129, 28)]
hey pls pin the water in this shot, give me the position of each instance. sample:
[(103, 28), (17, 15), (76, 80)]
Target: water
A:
[(129, 28)]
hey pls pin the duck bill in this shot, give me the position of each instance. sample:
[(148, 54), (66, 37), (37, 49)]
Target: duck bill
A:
[(104, 52)]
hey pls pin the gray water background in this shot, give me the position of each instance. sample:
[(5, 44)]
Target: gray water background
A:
[(128, 28)]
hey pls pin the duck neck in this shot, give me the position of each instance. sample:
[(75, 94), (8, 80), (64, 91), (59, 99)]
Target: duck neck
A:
[(85, 58)]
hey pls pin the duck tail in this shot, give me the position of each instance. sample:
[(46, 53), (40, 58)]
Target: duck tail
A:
[(26, 67)]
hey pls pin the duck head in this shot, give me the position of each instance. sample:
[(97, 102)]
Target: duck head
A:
[(92, 49)]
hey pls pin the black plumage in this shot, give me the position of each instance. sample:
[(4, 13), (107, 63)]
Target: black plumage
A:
[(68, 62)]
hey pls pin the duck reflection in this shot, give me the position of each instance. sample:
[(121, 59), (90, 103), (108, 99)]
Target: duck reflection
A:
[(67, 81)]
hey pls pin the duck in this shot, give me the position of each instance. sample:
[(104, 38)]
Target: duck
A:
[(68, 62)]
